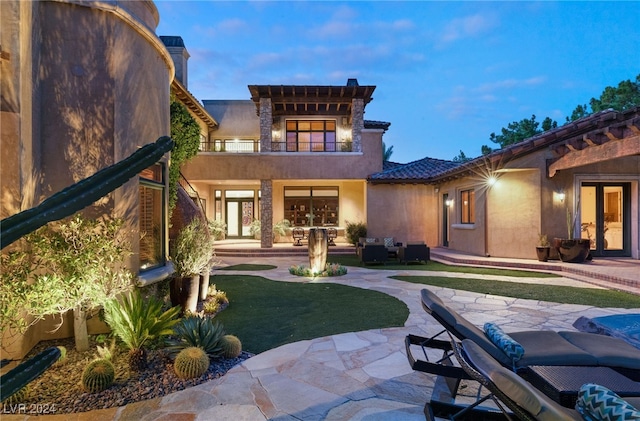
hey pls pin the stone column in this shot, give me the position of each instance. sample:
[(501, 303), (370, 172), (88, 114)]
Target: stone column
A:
[(266, 214), (357, 121), (266, 122)]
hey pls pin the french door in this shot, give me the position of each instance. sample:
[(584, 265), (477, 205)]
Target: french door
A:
[(239, 218), (605, 210)]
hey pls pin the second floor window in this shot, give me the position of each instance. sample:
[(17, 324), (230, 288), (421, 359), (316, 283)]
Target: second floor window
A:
[(311, 136), (468, 206)]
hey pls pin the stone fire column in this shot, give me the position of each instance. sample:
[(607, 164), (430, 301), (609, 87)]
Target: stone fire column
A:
[(266, 214)]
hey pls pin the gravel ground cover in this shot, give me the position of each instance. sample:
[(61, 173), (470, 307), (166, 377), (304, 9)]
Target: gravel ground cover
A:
[(59, 389)]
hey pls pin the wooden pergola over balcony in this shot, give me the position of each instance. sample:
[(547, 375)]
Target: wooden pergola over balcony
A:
[(311, 100)]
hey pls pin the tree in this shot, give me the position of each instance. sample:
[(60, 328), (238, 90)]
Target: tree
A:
[(461, 157), (185, 132), (76, 265), (521, 130), (624, 97), (386, 152)]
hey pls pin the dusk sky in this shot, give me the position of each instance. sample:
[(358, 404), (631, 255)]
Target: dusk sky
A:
[(447, 73)]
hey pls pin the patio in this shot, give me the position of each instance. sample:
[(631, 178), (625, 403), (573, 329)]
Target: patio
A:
[(361, 375)]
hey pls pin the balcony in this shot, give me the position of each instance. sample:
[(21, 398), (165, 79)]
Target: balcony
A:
[(253, 146)]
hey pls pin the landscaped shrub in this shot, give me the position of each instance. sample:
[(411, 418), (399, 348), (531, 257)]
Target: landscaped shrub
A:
[(217, 228), (98, 376), (331, 269), (202, 332), (17, 398), (136, 321), (354, 231), (231, 346), (191, 362)]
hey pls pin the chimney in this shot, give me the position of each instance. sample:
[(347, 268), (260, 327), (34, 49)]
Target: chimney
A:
[(352, 82), (179, 55)]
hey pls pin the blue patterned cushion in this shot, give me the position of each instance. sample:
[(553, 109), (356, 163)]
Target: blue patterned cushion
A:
[(597, 403), (388, 242), (506, 343)]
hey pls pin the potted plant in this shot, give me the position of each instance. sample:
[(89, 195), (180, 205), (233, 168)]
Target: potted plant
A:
[(572, 250), (191, 254), (543, 248), (281, 229), (255, 229)]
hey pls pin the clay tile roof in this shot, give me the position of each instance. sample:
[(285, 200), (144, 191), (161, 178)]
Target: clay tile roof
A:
[(420, 171), (373, 124)]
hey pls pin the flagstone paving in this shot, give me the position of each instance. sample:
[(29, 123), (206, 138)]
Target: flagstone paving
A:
[(351, 376)]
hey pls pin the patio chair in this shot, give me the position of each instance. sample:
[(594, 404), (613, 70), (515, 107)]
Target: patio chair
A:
[(298, 236), (374, 253), (518, 399), (541, 347), (332, 234), (414, 253)]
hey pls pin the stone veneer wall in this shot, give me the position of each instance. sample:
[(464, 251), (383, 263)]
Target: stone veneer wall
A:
[(266, 121), (357, 119), (266, 213)]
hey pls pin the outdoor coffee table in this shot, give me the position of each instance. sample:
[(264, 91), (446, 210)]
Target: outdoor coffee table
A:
[(562, 383)]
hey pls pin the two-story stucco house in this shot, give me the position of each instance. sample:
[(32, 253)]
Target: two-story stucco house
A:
[(301, 153)]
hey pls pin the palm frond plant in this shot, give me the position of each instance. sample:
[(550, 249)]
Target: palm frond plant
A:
[(136, 321), (202, 332)]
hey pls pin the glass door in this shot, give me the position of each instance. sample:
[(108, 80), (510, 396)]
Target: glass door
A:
[(605, 209), (239, 218)]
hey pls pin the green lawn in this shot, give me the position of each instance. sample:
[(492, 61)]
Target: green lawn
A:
[(553, 293), (265, 314), (353, 260)]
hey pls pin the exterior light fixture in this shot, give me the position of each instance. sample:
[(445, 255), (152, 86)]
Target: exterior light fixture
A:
[(449, 202), (492, 180), (561, 196)]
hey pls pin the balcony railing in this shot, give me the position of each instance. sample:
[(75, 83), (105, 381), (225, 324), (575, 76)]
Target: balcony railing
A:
[(311, 147), (253, 146), (231, 145)]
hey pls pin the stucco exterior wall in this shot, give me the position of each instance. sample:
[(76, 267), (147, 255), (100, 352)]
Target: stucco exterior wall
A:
[(237, 118), (408, 212), (76, 99)]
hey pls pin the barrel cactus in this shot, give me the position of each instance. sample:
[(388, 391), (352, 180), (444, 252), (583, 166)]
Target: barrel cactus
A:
[(191, 362), (231, 346), (98, 376)]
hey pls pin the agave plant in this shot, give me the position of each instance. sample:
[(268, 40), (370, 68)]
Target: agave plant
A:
[(136, 321), (202, 332)]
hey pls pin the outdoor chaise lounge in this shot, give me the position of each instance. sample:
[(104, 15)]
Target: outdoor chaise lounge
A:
[(542, 347), (515, 398)]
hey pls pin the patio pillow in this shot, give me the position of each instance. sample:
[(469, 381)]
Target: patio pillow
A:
[(597, 403), (506, 343), (388, 242), (370, 240)]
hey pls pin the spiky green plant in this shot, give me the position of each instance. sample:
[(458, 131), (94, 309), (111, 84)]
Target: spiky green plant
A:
[(27, 371), (231, 346), (202, 332), (17, 398), (98, 376), (136, 321), (191, 362)]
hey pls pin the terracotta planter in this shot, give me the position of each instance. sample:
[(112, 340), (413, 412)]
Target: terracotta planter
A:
[(572, 251), (543, 253)]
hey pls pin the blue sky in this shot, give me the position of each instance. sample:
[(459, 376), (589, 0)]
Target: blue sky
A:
[(447, 73)]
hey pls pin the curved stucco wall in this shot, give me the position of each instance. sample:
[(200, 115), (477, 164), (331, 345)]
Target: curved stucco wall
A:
[(84, 84)]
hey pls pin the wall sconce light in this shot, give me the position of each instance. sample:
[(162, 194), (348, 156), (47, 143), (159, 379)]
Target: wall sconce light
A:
[(561, 196), (492, 180), (449, 202), (345, 121)]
